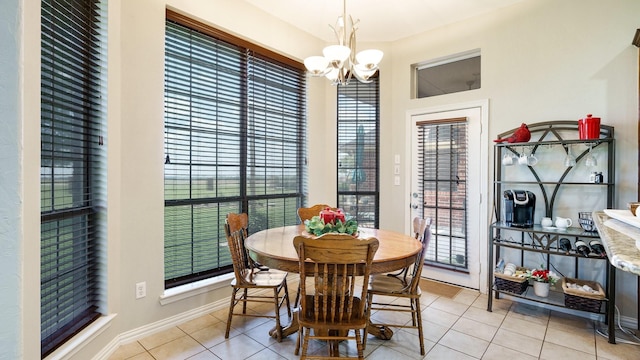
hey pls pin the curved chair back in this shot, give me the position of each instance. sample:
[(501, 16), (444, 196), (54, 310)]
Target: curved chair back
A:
[(418, 264), (419, 227), (241, 264), (334, 273), (306, 213), (237, 222)]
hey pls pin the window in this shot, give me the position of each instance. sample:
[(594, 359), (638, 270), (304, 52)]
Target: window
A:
[(358, 150), (442, 145), (235, 118), (72, 172), (451, 74)]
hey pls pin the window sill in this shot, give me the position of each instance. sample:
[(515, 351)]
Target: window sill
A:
[(68, 349), (199, 287)]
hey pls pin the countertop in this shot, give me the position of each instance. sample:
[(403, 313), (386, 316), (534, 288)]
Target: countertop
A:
[(619, 240)]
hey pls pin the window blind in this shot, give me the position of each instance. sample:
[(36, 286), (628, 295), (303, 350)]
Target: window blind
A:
[(234, 142), (442, 169), (358, 150), (73, 169)]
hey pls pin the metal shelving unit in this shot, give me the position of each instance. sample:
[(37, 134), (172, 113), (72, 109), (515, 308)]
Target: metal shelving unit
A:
[(537, 238)]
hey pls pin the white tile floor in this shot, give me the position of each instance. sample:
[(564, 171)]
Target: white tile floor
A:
[(455, 328)]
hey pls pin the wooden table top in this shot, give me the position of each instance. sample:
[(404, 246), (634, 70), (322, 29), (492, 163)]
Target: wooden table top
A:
[(274, 248)]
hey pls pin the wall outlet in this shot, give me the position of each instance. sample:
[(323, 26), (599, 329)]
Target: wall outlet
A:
[(141, 290)]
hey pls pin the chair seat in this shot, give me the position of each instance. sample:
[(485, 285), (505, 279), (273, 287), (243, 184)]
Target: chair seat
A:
[(257, 278), (308, 316), (383, 284)]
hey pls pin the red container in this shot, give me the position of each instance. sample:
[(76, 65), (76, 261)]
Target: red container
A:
[(589, 128), (327, 215)]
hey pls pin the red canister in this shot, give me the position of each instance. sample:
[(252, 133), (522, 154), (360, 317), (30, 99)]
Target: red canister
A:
[(589, 128), (327, 215)]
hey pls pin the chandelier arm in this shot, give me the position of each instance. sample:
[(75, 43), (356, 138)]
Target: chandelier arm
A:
[(352, 46), (344, 22)]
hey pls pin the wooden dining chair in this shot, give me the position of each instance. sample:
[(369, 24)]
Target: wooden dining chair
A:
[(306, 213), (419, 228), (389, 288), (241, 222), (248, 277), (332, 267)]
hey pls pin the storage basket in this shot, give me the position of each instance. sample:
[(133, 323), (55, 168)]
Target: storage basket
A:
[(582, 300), (512, 284)]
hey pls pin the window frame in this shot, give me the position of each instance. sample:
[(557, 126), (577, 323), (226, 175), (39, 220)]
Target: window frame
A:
[(367, 175), (258, 144), (449, 154), (73, 168)]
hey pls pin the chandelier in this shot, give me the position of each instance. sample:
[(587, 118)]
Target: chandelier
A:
[(340, 62)]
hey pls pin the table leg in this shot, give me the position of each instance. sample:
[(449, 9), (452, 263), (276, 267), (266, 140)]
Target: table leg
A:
[(288, 329)]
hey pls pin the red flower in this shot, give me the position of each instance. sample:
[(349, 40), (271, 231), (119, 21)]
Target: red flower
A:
[(542, 275)]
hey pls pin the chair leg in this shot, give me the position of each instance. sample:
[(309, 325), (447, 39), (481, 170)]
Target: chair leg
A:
[(360, 343), (276, 301), (414, 313), (231, 306), (368, 317), (244, 303), (419, 318), (305, 344)]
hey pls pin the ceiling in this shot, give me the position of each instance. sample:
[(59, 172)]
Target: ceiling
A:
[(380, 20)]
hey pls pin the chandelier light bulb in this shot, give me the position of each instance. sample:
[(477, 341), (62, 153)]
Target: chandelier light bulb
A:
[(370, 58), (336, 54), (363, 74), (333, 74), (317, 65)]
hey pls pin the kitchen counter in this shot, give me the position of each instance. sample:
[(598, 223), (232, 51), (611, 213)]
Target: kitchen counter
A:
[(619, 240)]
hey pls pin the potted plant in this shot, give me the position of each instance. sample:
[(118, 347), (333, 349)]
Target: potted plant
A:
[(542, 280)]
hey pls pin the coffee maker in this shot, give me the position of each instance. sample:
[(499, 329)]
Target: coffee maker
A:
[(518, 208)]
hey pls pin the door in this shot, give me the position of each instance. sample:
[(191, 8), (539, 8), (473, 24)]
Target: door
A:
[(448, 184)]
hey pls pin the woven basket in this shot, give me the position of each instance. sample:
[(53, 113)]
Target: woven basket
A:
[(512, 284), (580, 300)]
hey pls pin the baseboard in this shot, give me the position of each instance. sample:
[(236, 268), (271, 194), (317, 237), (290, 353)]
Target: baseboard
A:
[(164, 324), (628, 322)]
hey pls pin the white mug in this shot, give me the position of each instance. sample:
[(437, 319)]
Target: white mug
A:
[(563, 222), (507, 160), (523, 160), (546, 222), (532, 160)]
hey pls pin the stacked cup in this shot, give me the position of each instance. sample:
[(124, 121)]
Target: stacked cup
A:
[(510, 269)]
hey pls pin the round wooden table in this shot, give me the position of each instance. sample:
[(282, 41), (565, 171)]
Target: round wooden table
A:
[(274, 248)]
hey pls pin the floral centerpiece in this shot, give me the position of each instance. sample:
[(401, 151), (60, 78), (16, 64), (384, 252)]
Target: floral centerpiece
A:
[(331, 221)]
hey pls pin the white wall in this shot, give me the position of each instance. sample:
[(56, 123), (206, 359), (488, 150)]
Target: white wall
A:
[(10, 143), (541, 59)]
